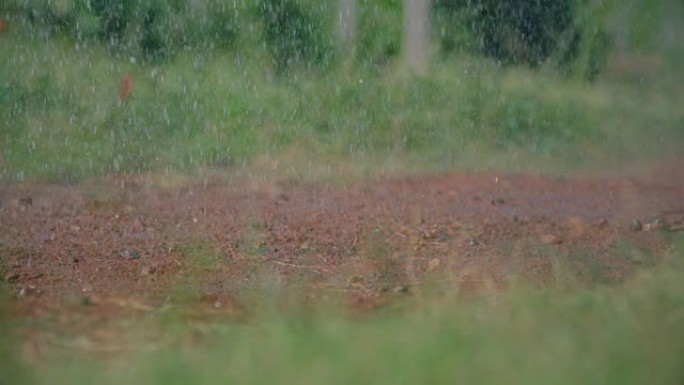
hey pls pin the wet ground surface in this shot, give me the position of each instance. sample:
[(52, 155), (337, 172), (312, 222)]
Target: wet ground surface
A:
[(123, 245)]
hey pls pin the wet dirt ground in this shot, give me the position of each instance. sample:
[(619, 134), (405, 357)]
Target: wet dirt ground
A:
[(130, 244)]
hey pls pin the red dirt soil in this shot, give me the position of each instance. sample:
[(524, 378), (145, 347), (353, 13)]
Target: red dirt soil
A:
[(128, 243)]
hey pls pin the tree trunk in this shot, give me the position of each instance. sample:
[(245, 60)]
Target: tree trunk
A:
[(346, 23), (416, 34)]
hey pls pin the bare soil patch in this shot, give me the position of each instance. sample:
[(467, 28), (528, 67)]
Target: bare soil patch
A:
[(82, 254)]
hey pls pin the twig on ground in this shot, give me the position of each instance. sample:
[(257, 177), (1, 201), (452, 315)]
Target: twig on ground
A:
[(318, 269)]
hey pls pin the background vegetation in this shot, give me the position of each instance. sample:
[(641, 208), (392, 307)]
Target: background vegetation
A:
[(227, 84)]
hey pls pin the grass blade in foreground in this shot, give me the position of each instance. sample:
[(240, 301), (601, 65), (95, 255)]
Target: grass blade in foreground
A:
[(626, 334)]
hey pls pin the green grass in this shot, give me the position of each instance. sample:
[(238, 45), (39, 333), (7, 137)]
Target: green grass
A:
[(625, 334), (62, 120)]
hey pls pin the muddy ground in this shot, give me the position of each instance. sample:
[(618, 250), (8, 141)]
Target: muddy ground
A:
[(132, 244)]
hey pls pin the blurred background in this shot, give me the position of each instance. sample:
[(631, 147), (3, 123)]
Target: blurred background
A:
[(330, 88)]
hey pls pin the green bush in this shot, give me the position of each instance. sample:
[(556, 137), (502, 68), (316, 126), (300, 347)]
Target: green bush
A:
[(291, 34), (168, 27), (529, 32), (522, 31), (379, 32), (113, 17), (155, 29), (514, 31)]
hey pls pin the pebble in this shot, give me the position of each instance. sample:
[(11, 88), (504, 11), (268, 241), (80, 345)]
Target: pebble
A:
[(433, 264), (29, 291), (130, 254), (11, 277), (400, 289), (356, 282), (497, 201), (636, 225), (576, 227), (550, 239), (655, 224)]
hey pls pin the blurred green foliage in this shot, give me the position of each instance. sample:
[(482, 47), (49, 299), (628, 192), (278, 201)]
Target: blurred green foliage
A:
[(514, 30), (292, 34), (379, 33), (295, 31), (153, 29), (567, 32), (204, 92)]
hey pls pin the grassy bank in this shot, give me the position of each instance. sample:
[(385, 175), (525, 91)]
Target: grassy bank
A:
[(62, 119)]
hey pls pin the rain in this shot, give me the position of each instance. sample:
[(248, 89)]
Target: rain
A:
[(341, 191)]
